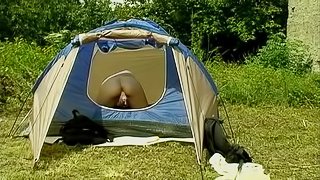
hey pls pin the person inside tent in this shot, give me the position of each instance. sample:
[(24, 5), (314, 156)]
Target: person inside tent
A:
[(123, 91)]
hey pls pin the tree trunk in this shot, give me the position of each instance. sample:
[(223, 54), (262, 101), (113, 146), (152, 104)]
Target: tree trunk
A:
[(304, 24)]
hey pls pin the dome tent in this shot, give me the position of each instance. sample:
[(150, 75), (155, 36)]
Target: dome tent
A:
[(181, 92)]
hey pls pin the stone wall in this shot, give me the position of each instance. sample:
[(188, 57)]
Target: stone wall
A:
[(304, 25)]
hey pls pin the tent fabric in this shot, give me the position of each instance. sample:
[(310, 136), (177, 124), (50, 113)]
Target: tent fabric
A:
[(124, 34), (199, 102), (180, 90), (46, 100)]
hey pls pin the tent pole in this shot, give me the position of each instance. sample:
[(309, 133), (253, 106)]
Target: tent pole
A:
[(224, 107), (21, 108), (23, 120)]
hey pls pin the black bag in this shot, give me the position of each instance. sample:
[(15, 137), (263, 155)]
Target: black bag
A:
[(82, 130), (215, 141)]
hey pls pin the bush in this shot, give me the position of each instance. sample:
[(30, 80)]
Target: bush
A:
[(20, 64), (35, 19), (60, 39), (280, 53), (236, 28), (255, 85)]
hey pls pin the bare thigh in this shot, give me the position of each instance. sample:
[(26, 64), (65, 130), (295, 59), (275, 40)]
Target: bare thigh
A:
[(134, 91), (109, 92)]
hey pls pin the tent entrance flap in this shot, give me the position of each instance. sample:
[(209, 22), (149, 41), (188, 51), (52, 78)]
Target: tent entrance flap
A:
[(147, 64), (46, 99)]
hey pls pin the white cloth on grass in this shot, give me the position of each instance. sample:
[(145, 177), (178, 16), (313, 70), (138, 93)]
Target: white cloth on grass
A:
[(128, 140), (229, 171)]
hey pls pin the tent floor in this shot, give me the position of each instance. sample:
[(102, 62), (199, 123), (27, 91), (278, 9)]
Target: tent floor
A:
[(128, 140)]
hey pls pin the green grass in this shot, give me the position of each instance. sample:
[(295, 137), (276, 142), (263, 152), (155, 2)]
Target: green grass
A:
[(254, 85), (284, 140)]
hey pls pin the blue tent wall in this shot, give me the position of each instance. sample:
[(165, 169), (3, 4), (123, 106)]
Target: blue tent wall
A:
[(74, 95)]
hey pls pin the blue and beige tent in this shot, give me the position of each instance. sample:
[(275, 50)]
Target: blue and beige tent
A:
[(176, 83)]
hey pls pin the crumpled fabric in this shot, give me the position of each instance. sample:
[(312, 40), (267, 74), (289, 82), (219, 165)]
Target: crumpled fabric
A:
[(229, 171)]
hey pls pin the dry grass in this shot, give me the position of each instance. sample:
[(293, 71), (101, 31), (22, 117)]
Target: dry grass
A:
[(284, 140)]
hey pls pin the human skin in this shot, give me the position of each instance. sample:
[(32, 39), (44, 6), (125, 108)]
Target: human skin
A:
[(122, 90)]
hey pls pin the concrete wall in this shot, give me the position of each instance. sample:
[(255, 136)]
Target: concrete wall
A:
[(304, 25)]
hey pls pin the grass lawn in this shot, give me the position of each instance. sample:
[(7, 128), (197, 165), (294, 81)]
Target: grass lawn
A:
[(284, 140)]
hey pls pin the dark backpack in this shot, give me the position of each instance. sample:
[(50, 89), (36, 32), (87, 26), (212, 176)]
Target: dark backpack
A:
[(215, 141), (82, 130)]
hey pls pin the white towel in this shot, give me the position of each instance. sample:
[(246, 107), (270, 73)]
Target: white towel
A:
[(229, 171)]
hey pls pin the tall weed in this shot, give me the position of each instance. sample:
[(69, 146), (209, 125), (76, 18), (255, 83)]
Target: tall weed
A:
[(280, 53), (255, 85), (20, 64)]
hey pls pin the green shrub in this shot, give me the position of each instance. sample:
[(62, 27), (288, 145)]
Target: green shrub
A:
[(60, 39), (35, 19), (280, 53), (243, 20), (20, 64), (255, 85)]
